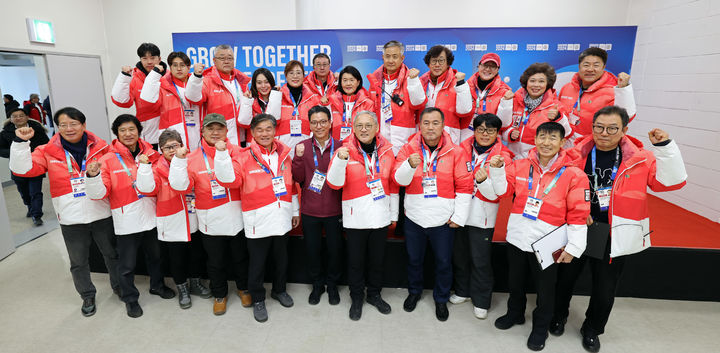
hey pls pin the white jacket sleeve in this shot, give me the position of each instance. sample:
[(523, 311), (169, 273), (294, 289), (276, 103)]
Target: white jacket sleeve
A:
[(295, 206), (461, 209), (486, 189), (94, 187), (404, 174), (223, 167), (20, 157), (178, 174), (145, 181), (121, 88), (565, 122), (498, 180), (151, 87), (463, 99), (625, 98), (274, 103), (336, 174), (245, 113), (577, 239), (669, 165), (504, 111), (394, 207), (416, 91), (193, 89)]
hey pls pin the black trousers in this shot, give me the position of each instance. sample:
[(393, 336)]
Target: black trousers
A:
[(127, 248), (187, 259), (30, 190), (259, 250), (605, 278), (366, 252), (472, 265), (227, 256), (312, 232), (519, 264)]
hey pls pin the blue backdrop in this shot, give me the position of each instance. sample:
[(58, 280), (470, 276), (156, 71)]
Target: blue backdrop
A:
[(517, 47)]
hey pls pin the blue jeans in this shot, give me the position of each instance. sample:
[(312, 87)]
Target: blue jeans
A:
[(441, 241)]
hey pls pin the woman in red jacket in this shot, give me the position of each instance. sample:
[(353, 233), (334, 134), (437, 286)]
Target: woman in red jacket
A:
[(262, 97), (293, 125), (350, 99)]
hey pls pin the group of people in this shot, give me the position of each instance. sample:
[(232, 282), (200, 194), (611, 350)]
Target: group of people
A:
[(219, 167)]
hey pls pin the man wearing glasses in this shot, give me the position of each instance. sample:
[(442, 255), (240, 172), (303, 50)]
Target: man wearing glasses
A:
[(619, 171), (321, 81)]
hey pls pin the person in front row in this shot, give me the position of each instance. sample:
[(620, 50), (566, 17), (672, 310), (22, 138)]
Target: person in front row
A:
[(362, 168), (619, 170), (270, 207), (439, 188), (549, 192)]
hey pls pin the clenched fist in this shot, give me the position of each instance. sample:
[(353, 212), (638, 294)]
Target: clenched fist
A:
[(552, 113), (25, 133), (480, 175), (142, 158), (220, 146), (515, 134), (181, 152), (412, 73), (198, 68), (300, 150), (160, 68), (343, 153), (414, 160), (247, 94), (93, 168), (509, 95), (657, 136), (623, 80), (497, 161), (459, 76), (127, 69), (324, 100)]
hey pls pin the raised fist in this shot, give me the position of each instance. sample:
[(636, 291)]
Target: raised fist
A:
[(497, 161), (343, 153), (247, 94), (198, 68), (414, 160), (509, 95), (324, 100), (93, 168), (220, 146), (142, 158), (300, 150), (412, 73), (160, 68), (657, 136), (127, 69), (182, 152), (623, 80), (480, 175), (552, 113), (25, 133), (459, 76), (515, 134)]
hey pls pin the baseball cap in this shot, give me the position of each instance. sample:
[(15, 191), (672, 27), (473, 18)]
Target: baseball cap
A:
[(214, 118), (490, 57)]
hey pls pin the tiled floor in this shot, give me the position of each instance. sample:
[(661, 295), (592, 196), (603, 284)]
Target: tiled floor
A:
[(40, 312), (21, 227)]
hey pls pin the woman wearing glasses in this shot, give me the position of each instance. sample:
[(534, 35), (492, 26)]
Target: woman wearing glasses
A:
[(293, 125), (350, 99)]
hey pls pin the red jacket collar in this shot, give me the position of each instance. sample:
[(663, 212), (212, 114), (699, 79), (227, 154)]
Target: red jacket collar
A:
[(378, 75), (445, 144), (606, 80), (549, 98), (447, 79), (95, 145), (145, 148), (492, 87), (214, 75), (306, 94), (312, 79), (563, 160), (630, 147), (353, 145)]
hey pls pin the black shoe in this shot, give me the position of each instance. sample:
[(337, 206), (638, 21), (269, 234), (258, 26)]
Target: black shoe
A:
[(378, 302), (441, 311), (116, 290), (557, 327), (284, 298), (590, 341), (536, 341), (88, 307), (28, 214), (411, 302), (333, 295), (314, 298), (37, 221), (356, 309), (506, 321), (133, 309), (164, 292)]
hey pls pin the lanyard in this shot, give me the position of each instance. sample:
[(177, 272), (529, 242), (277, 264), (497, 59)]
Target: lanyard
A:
[(266, 169), (332, 151), (69, 164), (482, 163), (577, 104), (481, 98), (614, 170), (207, 164), (185, 105), (295, 105), (426, 157), (550, 186), (526, 116), (349, 121), (368, 170), (127, 171)]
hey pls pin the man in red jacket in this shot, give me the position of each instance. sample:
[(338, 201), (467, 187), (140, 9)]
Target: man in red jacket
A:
[(321, 80)]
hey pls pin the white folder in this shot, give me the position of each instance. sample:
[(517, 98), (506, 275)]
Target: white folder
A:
[(548, 244)]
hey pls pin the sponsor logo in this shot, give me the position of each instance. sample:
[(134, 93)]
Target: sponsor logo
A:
[(255, 171)]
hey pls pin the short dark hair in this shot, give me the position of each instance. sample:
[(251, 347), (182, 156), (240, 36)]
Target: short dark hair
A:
[(178, 54), (71, 113), (490, 120), (253, 83), (319, 109), (291, 64), (550, 127), (429, 110), (614, 110), (13, 110), (9, 97), (257, 119), (169, 135), (126, 118), (539, 68), (593, 51), (435, 51), (320, 55), (148, 48), (352, 70)]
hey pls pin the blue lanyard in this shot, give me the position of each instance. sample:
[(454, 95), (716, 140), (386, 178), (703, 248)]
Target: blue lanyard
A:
[(367, 162), (69, 164), (477, 93), (425, 156), (345, 112), (267, 171), (182, 99), (127, 171), (577, 104), (295, 105), (526, 116), (332, 151), (207, 164), (615, 166), (550, 186), (482, 163)]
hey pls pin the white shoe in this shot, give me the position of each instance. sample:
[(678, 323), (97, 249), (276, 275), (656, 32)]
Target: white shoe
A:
[(458, 299), (480, 313)]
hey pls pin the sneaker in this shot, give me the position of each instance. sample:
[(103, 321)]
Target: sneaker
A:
[(378, 302), (37, 221), (133, 309), (480, 313), (284, 298), (356, 309), (506, 321), (88, 307), (184, 296), (164, 292), (441, 311), (333, 295), (260, 311), (220, 306), (198, 289), (456, 299), (536, 341), (411, 302), (557, 327), (314, 298)]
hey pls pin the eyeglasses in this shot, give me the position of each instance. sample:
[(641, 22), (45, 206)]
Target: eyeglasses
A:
[(321, 66), (70, 125), (224, 58), (611, 130), (438, 62), (489, 67), (365, 127), (319, 122), (170, 148), (295, 73), (482, 130)]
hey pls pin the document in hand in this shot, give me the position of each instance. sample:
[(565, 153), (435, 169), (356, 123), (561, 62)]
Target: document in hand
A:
[(548, 244)]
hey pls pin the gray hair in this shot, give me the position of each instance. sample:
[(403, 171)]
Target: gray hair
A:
[(222, 47), (368, 112), (34, 95), (394, 43), (169, 135)]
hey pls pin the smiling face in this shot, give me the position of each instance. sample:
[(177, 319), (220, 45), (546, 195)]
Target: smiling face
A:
[(178, 69), (488, 71), (264, 134), (591, 69), (128, 134), (295, 76), (321, 66), (70, 129), (262, 85), (365, 128), (149, 61), (224, 60), (19, 118), (169, 148), (485, 136), (537, 85), (392, 59), (349, 83), (548, 144), (320, 125), (214, 132), (438, 65)]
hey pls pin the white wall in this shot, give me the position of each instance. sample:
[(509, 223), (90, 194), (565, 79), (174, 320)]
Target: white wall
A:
[(677, 81)]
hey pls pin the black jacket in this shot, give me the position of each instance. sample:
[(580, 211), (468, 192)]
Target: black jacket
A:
[(10, 106), (7, 135)]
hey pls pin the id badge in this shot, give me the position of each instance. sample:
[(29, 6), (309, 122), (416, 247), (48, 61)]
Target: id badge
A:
[(603, 196), (345, 131), (218, 192), (190, 117), (574, 119), (387, 112), (190, 202), (376, 189), (532, 208), (317, 182), (278, 184), (295, 127), (78, 187), (430, 187)]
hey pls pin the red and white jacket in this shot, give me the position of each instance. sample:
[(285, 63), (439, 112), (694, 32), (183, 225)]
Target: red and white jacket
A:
[(359, 209), (176, 217), (216, 95), (454, 182), (249, 107), (316, 87), (51, 158), (176, 113), (485, 203), (307, 101), (131, 212), (661, 170), (487, 101), (251, 172), (404, 118), (604, 92), (528, 123), (221, 216), (345, 108), (565, 205), (126, 92), (454, 101)]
